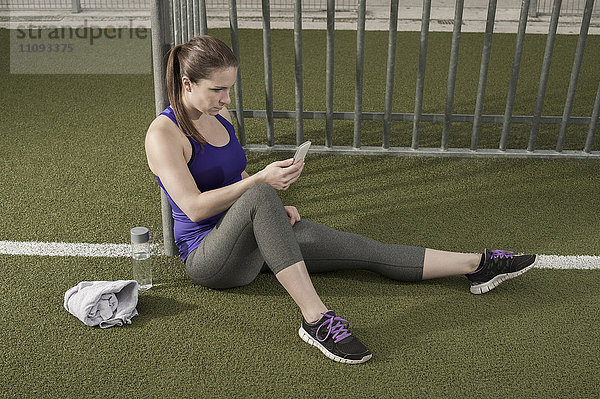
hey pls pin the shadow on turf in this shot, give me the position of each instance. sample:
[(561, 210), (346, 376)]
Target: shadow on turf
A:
[(156, 306), (353, 283)]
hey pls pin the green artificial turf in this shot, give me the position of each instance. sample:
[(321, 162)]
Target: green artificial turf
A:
[(534, 337), (72, 168)]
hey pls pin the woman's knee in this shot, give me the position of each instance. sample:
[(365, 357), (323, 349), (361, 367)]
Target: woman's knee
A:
[(261, 193)]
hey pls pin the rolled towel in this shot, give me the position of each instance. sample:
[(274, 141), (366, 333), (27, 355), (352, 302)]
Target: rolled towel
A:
[(103, 303)]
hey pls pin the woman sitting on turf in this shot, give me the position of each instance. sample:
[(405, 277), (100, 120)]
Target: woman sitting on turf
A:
[(229, 225)]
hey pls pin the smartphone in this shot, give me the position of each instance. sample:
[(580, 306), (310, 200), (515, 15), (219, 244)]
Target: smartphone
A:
[(301, 151)]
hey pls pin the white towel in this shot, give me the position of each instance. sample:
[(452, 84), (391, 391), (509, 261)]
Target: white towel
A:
[(104, 303)]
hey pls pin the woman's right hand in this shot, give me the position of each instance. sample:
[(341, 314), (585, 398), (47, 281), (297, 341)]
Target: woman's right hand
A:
[(281, 174)]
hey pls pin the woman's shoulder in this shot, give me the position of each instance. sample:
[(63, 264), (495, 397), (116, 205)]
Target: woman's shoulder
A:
[(164, 143), (162, 125), (163, 134)]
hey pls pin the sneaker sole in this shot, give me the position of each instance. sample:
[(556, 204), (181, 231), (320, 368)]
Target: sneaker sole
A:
[(309, 340), (496, 281)]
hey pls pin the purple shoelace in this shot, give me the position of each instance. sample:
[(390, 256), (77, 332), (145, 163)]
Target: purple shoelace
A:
[(502, 254), (339, 331)]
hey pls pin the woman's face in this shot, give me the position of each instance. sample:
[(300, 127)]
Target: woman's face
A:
[(209, 96)]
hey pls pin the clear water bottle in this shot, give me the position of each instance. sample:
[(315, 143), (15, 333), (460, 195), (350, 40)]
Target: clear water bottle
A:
[(142, 262)]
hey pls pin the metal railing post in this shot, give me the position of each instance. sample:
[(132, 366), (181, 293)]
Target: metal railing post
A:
[(593, 123), (266, 15), (537, 113), (190, 19), (298, 70), (203, 23), (160, 48), (483, 72), (177, 32), (360, 61), (514, 76), (533, 7), (421, 73), (389, 81), (183, 21), (196, 17), (235, 46), (75, 6), (458, 13), (585, 25), (329, 72)]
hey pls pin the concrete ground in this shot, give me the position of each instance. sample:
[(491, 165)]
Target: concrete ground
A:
[(378, 14)]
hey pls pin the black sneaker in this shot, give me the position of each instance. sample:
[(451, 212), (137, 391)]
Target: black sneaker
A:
[(330, 334), (498, 266)]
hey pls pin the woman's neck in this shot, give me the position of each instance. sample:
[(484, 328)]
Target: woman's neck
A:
[(190, 111)]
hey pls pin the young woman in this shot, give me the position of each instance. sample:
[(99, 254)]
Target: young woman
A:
[(229, 225)]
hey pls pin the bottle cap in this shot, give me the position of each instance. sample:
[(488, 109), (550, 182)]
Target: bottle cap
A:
[(140, 235)]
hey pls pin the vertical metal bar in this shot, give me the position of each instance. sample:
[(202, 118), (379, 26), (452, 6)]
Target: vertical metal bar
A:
[(537, 113), (203, 23), (235, 46), (160, 47), (178, 39), (190, 18), (458, 13), (75, 6), (360, 61), (196, 18), (533, 8), (585, 25), (483, 71), (593, 123), (514, 76), (268, 70), (329, 73), (421, 73), (298, 65), (184, 15), (389, 81), (167, 24)]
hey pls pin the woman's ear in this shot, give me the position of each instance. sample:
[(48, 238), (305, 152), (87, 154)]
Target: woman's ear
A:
[(186, 83)]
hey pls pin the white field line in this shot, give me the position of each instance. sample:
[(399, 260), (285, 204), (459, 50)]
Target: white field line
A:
[(36, 248)]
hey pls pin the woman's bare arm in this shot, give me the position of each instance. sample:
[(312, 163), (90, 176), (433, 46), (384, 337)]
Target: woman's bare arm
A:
[(166, 160)]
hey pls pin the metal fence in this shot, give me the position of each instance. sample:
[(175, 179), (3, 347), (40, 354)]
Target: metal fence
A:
[(76, 5), (175, 22), (538, 7), (79, 5), (178, 22), (569, 7)]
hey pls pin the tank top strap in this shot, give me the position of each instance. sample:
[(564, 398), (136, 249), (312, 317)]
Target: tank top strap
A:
[(168, 112)]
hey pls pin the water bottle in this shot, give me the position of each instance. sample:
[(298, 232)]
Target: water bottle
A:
[(142, 262)]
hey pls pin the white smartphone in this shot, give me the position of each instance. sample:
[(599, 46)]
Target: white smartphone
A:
[(301, 151)]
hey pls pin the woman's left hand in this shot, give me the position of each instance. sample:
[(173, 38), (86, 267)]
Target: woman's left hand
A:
[(293, 214)]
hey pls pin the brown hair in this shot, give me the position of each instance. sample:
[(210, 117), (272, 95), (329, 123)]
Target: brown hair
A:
[(197, 59)]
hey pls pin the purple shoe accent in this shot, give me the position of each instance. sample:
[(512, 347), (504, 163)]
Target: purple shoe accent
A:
[(493, 254), (339, 331), (502, 254)]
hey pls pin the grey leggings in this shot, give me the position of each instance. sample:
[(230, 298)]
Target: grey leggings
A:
[(255, 234)]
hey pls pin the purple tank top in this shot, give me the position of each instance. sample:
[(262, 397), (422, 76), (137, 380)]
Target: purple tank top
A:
[(212, 167)]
